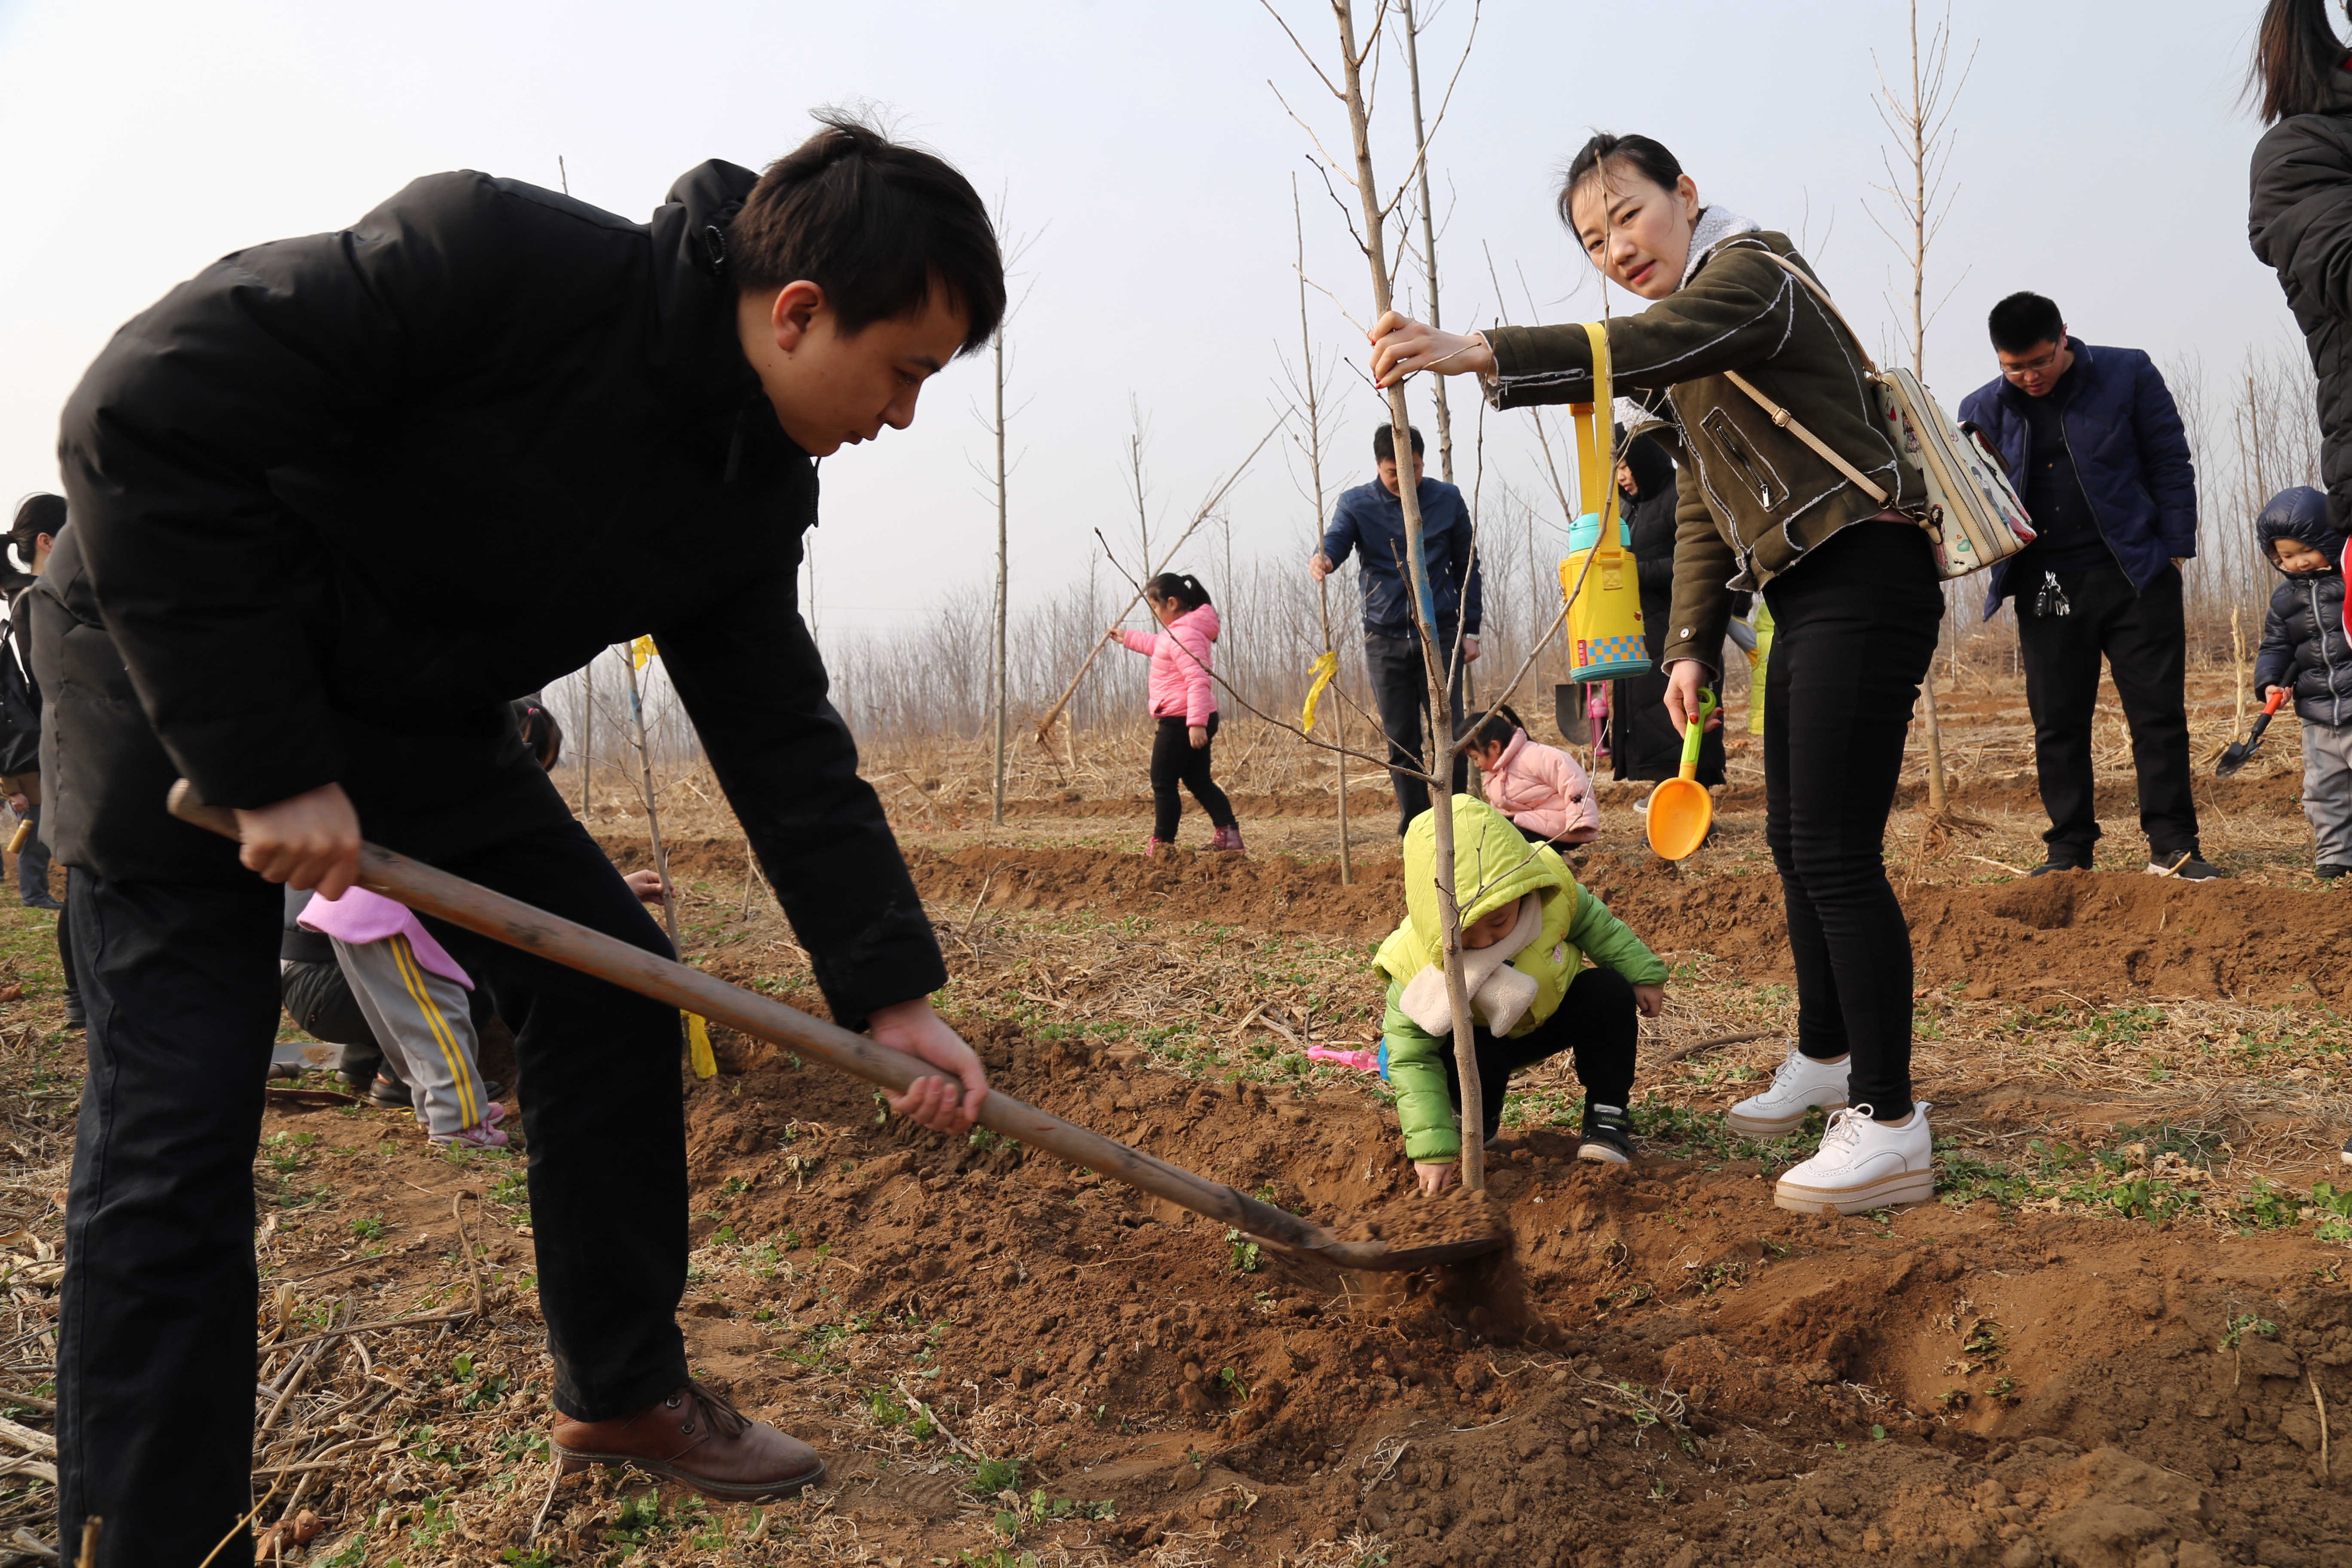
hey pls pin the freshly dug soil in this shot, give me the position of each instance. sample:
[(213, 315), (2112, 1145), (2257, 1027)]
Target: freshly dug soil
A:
[(2099, 936), (1665, 1371)]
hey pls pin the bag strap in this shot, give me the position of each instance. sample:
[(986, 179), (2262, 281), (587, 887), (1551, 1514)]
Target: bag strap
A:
[(1787, 421), (1596, 467)]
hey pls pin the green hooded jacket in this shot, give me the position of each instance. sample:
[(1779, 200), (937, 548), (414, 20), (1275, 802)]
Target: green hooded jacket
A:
[(1494, 865)]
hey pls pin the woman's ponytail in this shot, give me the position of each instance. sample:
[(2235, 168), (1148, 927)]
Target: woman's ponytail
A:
[(2296, 57), (1182, 587)]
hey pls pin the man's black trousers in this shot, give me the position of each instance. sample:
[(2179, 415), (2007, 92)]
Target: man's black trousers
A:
[(1854, 627), (2146, 642), (1400, 692), (1596, 1019), (156, 1358), (1174, 760)]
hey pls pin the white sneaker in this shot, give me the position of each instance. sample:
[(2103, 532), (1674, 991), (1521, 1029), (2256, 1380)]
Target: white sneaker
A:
[(1862, 1164), (1799, 1085)]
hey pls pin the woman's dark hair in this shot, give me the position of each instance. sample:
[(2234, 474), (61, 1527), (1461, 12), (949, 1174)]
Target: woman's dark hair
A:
[(39, 513), (1494, 730), (1185, 590), (2296, 57), (1645, 155), (876, 224), (1653, 470)]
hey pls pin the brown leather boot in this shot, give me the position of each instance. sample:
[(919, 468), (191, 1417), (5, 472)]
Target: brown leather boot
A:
[(698, 1440)]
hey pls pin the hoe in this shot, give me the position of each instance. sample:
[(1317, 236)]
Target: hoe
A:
[(494, 915)]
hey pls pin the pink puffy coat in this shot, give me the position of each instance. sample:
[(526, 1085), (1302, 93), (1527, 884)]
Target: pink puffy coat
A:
[(1180, 688), (1545, 791)]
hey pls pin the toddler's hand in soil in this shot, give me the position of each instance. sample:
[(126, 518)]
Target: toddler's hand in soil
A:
[(1434, 1178), (646, 885), (949, 1104), (1650, 999)]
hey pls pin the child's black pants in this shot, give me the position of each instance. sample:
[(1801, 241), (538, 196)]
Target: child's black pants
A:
[(155, 1365), (1174, 760), (1596, 1019)]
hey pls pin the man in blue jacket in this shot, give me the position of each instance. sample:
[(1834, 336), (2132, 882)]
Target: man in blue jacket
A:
[(1370, 521), (2095, 446)]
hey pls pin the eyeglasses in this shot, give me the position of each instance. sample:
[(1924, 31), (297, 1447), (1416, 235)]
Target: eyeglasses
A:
[(2015, 368)]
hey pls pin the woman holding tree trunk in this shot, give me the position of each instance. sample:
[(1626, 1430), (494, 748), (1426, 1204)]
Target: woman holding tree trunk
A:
[(1849, 578)]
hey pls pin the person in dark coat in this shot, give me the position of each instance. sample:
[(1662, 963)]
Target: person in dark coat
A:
[(2305, 649), (2094, 446), (1642, 742), (2299, 212), (39, 520), (1369, 523), (244, 600)]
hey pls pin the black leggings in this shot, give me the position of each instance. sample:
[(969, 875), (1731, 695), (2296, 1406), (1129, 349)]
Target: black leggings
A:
[(1854, 627), (1175, 760), (1596, 1020)]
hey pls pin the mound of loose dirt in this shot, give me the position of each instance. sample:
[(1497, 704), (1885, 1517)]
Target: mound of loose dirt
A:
[(1667, 1370)]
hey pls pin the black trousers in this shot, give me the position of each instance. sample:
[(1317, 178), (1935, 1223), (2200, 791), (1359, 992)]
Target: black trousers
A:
[(1855, 625), (156, 1362), (1175, 760), (1596, 1019), (33, 860), (2146, 641), (1400, 684)]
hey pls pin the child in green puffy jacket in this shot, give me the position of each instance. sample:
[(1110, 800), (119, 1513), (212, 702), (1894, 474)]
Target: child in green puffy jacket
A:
[(1527, 930)]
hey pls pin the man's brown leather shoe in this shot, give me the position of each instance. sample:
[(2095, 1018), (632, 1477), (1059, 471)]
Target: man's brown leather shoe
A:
[(695, 1437)]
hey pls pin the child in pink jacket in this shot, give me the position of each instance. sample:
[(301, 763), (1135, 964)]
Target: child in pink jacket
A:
[(1184, 703), (1544, 791)]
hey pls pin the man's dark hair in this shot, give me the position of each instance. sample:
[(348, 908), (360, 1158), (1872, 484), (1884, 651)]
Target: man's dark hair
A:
[(1647, 156), (1384, 443), (2024, 322), (877, 225)]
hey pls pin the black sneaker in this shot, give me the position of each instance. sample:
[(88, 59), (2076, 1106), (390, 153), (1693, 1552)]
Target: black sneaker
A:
[(2190, 867), (1608, 1135), (2060, 863), (2329, 873), (43, 901)]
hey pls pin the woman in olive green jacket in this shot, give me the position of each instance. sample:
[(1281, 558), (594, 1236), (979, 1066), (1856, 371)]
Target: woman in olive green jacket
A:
[(1849, 577)]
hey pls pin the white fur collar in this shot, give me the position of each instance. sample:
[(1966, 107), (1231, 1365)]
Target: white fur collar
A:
[(1714, 225)]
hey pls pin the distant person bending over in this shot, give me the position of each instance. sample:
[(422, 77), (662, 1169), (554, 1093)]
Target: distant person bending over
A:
[(2094, 446), (1545, 792), (1183, 709), (1369, 523), (246, 461), (1849, 576)]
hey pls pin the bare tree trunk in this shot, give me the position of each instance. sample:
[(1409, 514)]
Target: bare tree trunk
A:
[(1428, 238), (997, 680), (1433, 653), (1917, 125), (1314, 445)]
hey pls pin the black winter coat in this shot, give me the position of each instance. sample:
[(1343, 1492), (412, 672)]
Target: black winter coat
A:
[(2300, 222), (2303, 645), (341, 498)]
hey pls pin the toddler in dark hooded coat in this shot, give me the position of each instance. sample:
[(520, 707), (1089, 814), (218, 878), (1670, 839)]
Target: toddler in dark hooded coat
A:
[(2305, 649)]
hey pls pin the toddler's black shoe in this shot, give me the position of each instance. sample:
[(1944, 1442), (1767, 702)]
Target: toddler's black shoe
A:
[(1608, 1135), (2329, 873)]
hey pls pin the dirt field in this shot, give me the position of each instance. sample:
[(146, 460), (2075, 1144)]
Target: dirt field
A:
[(2120, 1337)]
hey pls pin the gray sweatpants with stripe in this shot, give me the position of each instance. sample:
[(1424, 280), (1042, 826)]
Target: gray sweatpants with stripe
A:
[(422, 1021)]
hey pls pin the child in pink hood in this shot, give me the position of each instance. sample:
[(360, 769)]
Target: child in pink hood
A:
[(1184, 704), (1544, 791)]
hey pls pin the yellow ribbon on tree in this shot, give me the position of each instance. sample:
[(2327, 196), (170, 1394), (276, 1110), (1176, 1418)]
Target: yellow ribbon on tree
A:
[(641, 650), (1322, 669), (697, 1047)]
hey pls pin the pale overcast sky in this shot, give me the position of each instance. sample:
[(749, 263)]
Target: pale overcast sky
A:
[(2101, 159)]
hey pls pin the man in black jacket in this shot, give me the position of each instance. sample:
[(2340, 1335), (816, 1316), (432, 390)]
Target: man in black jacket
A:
[(564, 393)]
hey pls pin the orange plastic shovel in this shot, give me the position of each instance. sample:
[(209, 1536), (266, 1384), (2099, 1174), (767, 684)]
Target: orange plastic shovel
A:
[(1681, 811)]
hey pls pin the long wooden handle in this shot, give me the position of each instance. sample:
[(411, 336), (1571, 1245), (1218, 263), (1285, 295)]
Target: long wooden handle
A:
[(462, 903)]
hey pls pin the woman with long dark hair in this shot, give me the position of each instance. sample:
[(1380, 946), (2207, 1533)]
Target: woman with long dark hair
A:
[(2300, 217), (1849, 575)]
